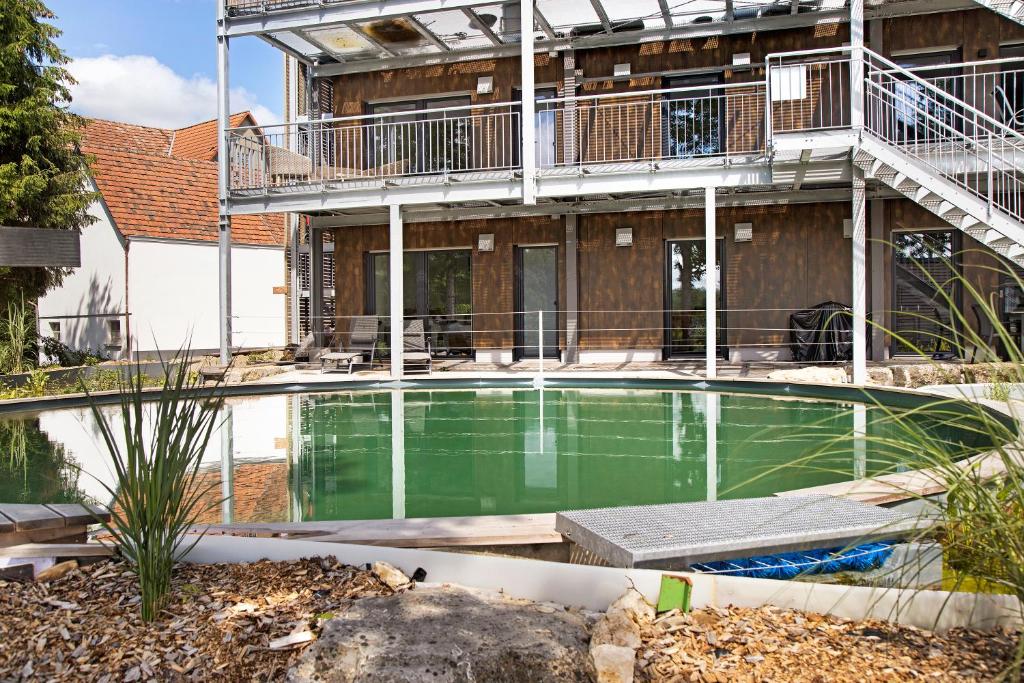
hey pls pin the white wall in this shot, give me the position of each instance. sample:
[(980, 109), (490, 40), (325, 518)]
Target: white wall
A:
[(97, 287), (172, 290)]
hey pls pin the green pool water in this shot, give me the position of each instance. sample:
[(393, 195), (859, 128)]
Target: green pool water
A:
[(481, 452)]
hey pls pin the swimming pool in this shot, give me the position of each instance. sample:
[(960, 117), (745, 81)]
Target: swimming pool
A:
[(454, 451)]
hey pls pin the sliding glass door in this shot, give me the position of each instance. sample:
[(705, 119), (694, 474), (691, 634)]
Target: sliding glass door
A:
[(686, 297), (438, 288), (924, 291), (536, 291)]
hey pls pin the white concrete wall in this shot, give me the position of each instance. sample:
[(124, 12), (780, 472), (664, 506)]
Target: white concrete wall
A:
[(97, 287), (172, 290)]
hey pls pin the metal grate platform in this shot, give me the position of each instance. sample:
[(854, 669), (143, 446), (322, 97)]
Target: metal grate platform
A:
[(674, 536)]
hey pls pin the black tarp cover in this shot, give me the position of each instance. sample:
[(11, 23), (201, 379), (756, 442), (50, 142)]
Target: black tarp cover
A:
[(822, 333)]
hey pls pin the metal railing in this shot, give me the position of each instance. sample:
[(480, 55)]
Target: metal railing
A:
[(959, 142), (672, 124), (994, 87), (808, 91), (452, 140)]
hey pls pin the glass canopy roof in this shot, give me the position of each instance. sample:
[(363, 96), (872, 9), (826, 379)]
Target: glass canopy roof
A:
[(482, 26)]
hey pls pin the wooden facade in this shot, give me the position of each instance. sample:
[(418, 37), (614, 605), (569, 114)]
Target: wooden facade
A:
[(798, 256)]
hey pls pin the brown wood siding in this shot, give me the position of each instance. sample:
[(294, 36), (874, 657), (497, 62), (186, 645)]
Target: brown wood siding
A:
[(798, 258)]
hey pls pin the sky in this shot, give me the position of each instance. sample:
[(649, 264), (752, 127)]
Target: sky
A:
[(154, 62)]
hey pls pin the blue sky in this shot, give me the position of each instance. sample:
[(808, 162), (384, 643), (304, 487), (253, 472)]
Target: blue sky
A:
[(153, 62)]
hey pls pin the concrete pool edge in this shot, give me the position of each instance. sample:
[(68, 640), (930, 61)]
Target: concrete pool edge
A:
[(594, 588)]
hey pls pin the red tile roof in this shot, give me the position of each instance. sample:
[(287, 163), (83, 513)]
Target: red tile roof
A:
[(152, 194), (200, 140)]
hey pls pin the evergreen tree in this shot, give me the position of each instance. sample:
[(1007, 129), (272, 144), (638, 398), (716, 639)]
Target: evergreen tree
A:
[(42, 171)]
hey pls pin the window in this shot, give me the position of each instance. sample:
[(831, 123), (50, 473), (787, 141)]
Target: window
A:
[(55, 329), (692, 120), (438, 287), (1009, 90), (427, 139), (113, 333), (920, 115), (924, 274)]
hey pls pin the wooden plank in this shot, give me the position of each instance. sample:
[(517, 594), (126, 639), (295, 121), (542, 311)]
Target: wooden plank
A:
[(892, 488), (71, 534), (58, 550), (75, 514), (414, 533), (27, 517), (6, 524)]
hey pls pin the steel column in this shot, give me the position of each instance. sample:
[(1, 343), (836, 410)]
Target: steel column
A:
[(572, 292), (527, 120), (859, 279), (857, 64), (316, 286), (223, 172), (710, 286), (395, 279)]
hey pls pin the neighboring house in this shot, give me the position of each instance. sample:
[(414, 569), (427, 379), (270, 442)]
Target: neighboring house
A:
[(773, 154), (148, 280)]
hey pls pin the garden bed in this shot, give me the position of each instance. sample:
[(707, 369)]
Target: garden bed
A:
[(235, 622), (770, 644), (219, 624)]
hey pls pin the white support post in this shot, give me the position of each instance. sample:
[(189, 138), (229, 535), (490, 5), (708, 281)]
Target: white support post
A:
[(859, 279), (397, 454), (528, 121), (857, 64), (710, 286), (397, 287), (227, 466), (223, 171)]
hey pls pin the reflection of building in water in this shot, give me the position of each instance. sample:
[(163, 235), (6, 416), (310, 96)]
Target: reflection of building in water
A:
[(260, 493)]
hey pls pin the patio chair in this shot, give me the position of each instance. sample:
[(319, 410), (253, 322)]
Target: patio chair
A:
[(362, 346), (416, 348)]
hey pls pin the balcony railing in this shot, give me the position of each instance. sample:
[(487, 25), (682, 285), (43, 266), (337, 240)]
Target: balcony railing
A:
[(675, 125), (803, 91)]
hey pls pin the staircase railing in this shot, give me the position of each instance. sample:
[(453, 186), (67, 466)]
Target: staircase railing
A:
[(956, 140)]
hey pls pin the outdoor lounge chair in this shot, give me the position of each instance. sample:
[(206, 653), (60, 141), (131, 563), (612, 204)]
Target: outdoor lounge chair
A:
[(362, 346), (416, 348)]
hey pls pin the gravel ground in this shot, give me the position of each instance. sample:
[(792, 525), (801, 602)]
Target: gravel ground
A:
[(219, 624), (770, 644)]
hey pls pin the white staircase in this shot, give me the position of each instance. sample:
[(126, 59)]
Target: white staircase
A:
[(960, 164), (1011, 9)]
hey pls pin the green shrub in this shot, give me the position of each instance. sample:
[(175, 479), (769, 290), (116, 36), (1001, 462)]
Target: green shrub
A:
[(17, 338), (156, 447)]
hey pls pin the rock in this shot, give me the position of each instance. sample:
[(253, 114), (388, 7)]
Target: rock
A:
[(57, 571), (616, 628), (613, 663), (448, 634), (814, 374), (881, 376), (633, 603), (394, 578)]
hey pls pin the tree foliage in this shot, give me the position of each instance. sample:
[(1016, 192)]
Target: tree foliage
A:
[(42, 171)]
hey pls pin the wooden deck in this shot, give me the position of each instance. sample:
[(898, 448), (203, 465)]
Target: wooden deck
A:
[(36, 537), (433, 532)]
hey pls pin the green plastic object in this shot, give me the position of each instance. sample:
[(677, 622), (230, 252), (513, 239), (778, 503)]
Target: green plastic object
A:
[(675, 593)]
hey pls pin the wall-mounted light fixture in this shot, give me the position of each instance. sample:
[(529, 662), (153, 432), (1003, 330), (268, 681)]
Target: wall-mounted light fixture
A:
[(848, 228), (485, 242), (623, 237), (741, 59), (623, 69), (485, 85), (743, 232)]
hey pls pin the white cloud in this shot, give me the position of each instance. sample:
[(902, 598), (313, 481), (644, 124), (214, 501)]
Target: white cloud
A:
[(140, 89)]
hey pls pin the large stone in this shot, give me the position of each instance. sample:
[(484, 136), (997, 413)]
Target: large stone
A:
[(394, 578), (634, 605), (814, 374), (616, 628), (448, 634), (613, 663)]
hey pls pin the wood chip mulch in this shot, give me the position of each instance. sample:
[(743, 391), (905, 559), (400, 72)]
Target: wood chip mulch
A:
[(222, 621), (770, 644)]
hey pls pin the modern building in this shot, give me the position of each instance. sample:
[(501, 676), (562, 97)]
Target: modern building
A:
[(150, 260), (658, 179)]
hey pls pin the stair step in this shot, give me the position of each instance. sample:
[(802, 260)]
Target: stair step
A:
[(1002, 245), (863, 159)]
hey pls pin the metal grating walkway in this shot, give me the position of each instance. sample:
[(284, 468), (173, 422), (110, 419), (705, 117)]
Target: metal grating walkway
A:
[(674, 536)]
